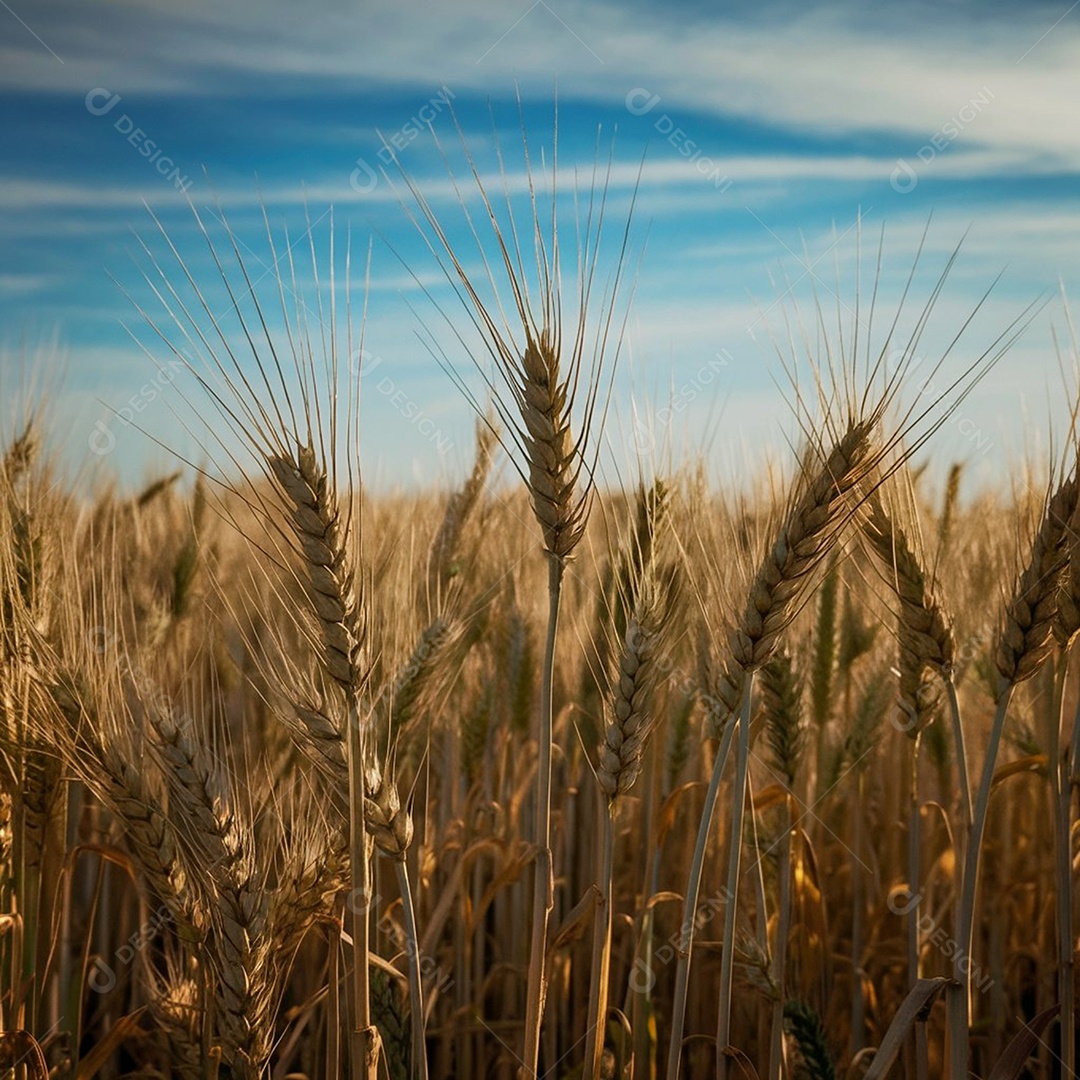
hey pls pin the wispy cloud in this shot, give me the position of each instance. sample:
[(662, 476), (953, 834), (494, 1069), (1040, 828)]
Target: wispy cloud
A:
[(743, 134)]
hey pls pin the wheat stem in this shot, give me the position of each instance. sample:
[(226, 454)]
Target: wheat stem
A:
[(693, 891), (544, 877), (914, 886), (365, 1036), (962, 778), (416, 988), (599, 980), (959, 1009), (783, 929), (735, 831)]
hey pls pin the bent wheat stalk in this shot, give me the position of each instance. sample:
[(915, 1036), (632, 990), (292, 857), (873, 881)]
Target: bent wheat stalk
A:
[(317, 523), (833, 482), (925, 641), (804, 538)]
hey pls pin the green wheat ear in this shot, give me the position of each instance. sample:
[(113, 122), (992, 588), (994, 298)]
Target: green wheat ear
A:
[(804, 1025)]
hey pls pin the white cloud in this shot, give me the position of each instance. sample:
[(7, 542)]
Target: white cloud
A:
[(824, 71), (835, 72), (21, 284)]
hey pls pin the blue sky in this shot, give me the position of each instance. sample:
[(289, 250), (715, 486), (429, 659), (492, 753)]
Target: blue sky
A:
[(756, 137)]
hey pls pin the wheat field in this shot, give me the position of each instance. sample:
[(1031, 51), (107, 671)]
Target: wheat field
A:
[(564, 772)]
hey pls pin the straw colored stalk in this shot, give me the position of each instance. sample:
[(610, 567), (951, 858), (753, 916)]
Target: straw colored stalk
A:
[(1024, 643), (543, 362), (820, 503), (630, 722), (925, 642)]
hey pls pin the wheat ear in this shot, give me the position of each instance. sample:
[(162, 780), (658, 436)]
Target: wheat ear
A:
[(1026, 636), (446, 546), (809, 529), (805, 536), (538, 378), (925, 635), (220, 847), (98, 759), (318, 527), (1024, 642), (631, 720), (316, 521)]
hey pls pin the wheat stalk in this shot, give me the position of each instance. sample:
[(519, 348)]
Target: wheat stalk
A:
[(925, 641), (925, 636), (805, 536), (631, 720), (292, 433), (539, 375), (1023, 645)]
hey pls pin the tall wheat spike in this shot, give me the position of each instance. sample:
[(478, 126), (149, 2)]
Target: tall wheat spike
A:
[(631, 718), (1024, 642), (849, 455), (287, 416), (543, 362), (1025, 639), (925, 641), (925, 636)]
